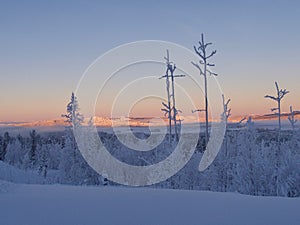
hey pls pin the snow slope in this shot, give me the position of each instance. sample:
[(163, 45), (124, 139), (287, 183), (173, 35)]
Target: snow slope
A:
[(13, 174), (74, 205)]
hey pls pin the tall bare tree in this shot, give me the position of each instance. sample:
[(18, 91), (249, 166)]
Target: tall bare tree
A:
[(170, 107), (224, 117), (280, 93), (203, 67)]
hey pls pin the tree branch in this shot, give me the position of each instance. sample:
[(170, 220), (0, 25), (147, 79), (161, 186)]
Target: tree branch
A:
[(271, 97), (198, 110), (211, 54), (211, 73), (198, 67), (199, 53)]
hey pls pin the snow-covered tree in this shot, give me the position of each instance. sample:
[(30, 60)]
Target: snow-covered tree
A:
[(226, 111), (34, 139), (250, 124), (73, 168), (291, 118), (3, 145), (16, 153), (280, 93), (224, 117), (203, 67), (73, 116), (170, 107), (288, 174), (69, 152), (43, 159)]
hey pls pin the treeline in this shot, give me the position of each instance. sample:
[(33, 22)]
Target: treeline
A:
[(251, 161), (43, 154)]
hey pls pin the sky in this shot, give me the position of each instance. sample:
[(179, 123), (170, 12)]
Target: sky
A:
[(45, 47)]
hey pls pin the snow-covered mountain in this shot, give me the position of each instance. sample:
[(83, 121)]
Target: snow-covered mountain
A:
[(136, 121)]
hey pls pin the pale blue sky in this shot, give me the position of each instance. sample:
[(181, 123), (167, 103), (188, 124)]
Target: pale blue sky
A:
[(45, 46)]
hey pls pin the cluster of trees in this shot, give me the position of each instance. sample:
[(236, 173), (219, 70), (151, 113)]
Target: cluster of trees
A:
[(32, 152), (249, 166), (54, 157), (247, 162), (203, 65), (57, 154)]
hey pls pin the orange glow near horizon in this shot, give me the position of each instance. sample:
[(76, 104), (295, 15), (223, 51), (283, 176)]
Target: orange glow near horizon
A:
[(47, 52), (145, 109)]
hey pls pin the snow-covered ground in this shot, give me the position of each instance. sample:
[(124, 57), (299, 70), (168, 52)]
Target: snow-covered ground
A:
[(22, 204), (36, 204), (10, 173)]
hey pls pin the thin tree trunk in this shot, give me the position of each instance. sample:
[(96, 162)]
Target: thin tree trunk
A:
[(206, 102), (169, 108), (206, 112), (174, 107)]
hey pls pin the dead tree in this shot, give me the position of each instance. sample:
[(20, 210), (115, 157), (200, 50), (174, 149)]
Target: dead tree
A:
[(224, 117), (226, 112), (291, 118), (203, 67), (170, 107), (279, 96)]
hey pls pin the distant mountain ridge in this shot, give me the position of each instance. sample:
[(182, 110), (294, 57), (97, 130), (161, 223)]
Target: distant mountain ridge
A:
[(136, 121)]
